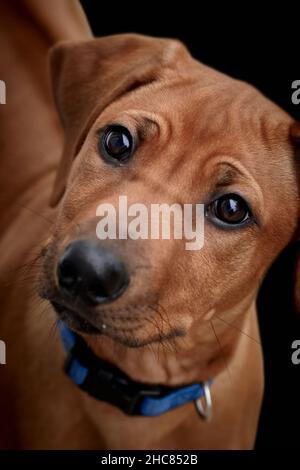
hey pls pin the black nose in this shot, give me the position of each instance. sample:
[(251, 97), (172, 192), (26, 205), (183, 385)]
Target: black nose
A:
[(88, 271)]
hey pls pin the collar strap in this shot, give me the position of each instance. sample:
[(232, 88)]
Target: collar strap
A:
[(105, 382)]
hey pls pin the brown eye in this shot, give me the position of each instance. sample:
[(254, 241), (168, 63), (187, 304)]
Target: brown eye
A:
[(230, 209), (116, 143)]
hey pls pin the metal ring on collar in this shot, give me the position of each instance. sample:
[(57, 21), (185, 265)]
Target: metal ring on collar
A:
[(205, 409)]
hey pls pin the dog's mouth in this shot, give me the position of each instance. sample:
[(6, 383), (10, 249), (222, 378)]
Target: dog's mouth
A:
[(135, 336), (77, 322), (74, 321)]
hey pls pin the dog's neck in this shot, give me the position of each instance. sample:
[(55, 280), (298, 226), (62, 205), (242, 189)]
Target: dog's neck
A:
[(172, 369), (208, 348), (106, 382)]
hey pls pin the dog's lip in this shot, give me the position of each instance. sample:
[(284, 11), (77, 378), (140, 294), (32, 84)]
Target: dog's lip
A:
[(124, 336), (83, 325), (70, 317)]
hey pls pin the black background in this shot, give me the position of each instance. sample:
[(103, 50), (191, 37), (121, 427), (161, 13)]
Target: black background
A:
[(261, 47)]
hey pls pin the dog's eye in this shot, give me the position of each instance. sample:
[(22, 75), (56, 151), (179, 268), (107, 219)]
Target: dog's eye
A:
[(229, 209), (116, 143)]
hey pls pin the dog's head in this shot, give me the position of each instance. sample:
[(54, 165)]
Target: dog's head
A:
[(144, 120)]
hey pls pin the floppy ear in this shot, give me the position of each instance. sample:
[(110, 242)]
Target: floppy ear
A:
[(295, 135), (89, 75)]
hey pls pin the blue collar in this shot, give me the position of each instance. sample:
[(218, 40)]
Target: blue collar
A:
[(106, 382)]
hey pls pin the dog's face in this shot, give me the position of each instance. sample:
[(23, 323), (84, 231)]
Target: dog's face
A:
[(146, 121)]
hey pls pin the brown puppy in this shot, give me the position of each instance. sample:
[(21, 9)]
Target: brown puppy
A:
[(198, 136)]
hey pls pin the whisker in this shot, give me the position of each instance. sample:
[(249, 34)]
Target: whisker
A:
[(221, 350), (238, 329), (33, 211)]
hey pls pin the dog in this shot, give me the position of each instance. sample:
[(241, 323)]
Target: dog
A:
[(138, 117)]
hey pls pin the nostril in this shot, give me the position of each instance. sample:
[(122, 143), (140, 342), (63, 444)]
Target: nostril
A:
[(67, 274)]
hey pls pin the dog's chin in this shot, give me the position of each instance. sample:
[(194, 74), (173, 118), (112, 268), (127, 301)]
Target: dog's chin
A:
[(134, 337)]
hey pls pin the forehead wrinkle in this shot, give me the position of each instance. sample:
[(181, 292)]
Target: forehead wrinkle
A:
[(147, 120), (232, 172), (226, 176)]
